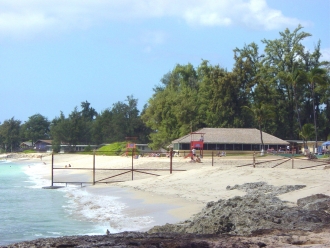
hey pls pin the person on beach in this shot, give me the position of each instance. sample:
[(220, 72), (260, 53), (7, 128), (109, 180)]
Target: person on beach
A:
[(193, 154)]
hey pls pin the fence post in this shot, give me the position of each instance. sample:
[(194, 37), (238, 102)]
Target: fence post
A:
[(212, 158), (94, 167), (171, 156), (292, 158), (132, 161), (254, 159), (52, 168)]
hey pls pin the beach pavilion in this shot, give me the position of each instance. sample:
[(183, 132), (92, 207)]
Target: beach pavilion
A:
[(230, 139)]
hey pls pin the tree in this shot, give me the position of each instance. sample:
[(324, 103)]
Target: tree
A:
[(294, 78), (316, 76), (173, 109), (121, 121), (9, 132), (284, 56), (37, 127), (306, 133), (102, 127), (324, 91), (88, 112), (60, 131), (261, 113), (88, 115)]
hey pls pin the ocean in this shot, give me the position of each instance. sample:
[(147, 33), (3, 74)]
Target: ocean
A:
[(27, 211)]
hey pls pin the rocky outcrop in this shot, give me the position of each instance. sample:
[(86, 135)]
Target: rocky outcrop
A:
[(26, 155), (269, 238), (258, 219), (260, 209)]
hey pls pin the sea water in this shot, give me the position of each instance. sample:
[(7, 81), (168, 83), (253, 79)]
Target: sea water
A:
[(27, 211)]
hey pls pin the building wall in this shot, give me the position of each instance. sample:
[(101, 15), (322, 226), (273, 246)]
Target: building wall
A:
[(228, 147)]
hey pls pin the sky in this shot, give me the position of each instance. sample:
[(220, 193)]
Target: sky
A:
[(56, 54)]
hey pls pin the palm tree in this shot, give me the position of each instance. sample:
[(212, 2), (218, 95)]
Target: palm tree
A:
[(306, 133), (315, 76), (261, 113), (294, 79)]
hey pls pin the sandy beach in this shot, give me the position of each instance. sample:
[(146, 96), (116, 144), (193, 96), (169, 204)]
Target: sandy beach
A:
[(186, 192), (182, 195)]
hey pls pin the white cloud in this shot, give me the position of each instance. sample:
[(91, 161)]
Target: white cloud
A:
[(29, 17)]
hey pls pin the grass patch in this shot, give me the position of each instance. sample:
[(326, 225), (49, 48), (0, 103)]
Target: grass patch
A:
[(114, 149), (29, 151)]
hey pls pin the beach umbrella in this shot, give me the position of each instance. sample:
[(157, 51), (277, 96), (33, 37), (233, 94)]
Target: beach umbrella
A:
[(327, 143)]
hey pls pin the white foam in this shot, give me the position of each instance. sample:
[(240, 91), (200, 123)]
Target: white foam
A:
[(36, 175), (106, 210), (5, 161)]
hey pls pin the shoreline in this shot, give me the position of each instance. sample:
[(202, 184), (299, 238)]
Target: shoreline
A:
[(139, 205), (182, 196), (199, 184)]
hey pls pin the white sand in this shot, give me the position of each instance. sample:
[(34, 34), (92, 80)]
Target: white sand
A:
[(202, 182), (188, 191)]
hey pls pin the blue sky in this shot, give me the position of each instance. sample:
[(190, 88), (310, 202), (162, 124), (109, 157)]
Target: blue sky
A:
[(56, 54)]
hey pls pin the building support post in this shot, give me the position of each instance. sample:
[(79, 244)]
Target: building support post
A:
[(212, 158), (94, 167), (292, 158), (52, 169), (171, 156), (132, 161)]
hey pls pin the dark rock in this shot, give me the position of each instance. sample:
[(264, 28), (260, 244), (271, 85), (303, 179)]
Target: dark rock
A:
[(315, 202), (225, 223), (259, 209)]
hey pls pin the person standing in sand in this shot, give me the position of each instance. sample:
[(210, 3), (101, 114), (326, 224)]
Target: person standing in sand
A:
[(193, 154)]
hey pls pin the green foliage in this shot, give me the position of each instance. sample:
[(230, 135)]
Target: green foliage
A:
[(285, 86), (120, 121), (37, 127), (9, 135), (88, 149), (306, 132), (275, 85), (56, 146), (116, 148), (28, 151), (261, 113)]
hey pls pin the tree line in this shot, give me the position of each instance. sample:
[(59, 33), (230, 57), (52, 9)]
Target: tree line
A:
[(84, 126), (283, 90)]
